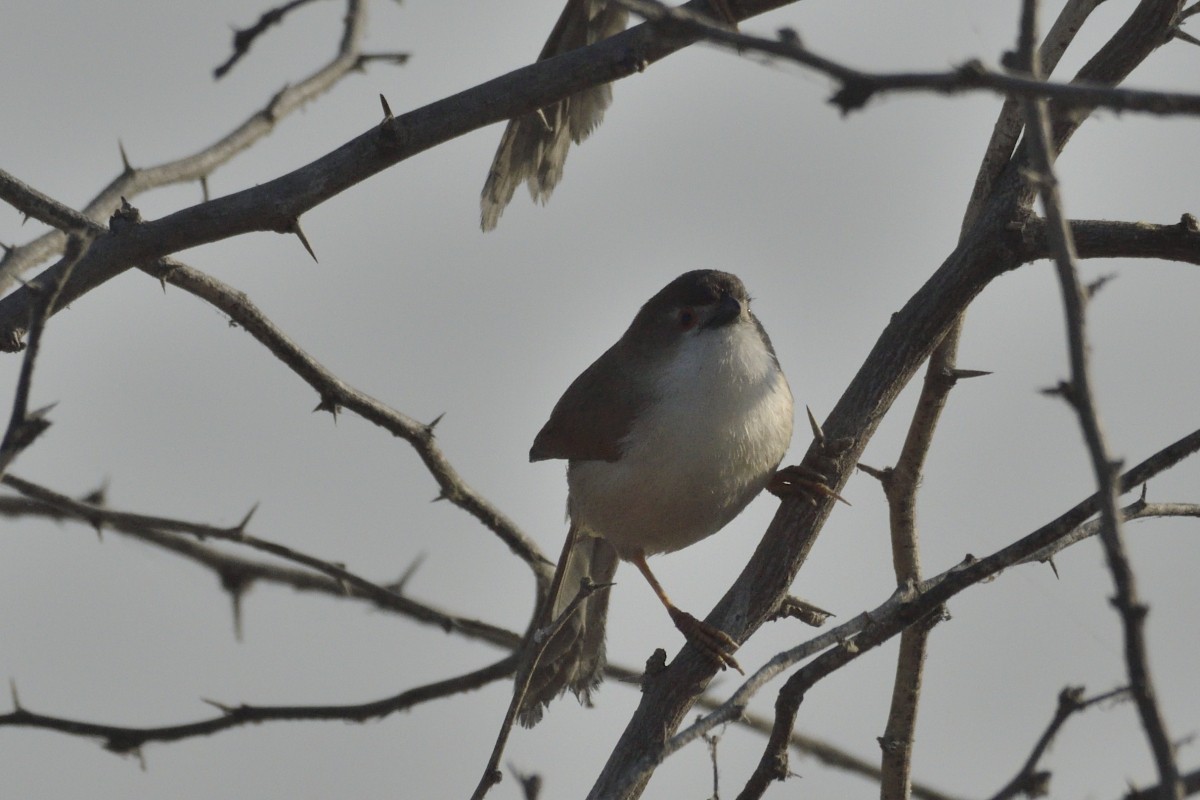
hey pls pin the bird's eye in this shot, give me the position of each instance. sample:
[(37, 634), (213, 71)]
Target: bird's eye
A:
[(686, 318)]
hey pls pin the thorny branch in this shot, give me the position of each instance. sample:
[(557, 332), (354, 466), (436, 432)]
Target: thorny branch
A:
[(121, 739), (132, 181), (153, 529), (25, 426), (1029, 781), (1078, 393), (857, 86), (870, 628)]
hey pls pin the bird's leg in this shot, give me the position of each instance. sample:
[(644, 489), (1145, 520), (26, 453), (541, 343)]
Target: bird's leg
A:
[(714, 642)]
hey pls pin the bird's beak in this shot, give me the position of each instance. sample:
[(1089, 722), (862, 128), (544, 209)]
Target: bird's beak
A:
[(728, 309)]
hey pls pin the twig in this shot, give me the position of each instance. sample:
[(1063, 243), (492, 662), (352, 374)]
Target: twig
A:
[(121, 739), (196, 166), (1132, 611), (337, 394), (857, 86), (237, 573), (535, 647), (871, 628), (25, 426), (1029, 782), (243, 38)]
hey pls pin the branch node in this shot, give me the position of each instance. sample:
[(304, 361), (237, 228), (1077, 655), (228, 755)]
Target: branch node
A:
[(327, 403), (806, 612), (124, 217), (1189, 223)]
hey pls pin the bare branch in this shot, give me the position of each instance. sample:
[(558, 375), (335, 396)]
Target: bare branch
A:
[(869, 629), (534, 648), (243, 38), (857, 86), (1029, 781), (336, 393), (1132, 611), (126, 740), (164, 532), (199, 165), (25, 426), (273, 205), (1110, 239)]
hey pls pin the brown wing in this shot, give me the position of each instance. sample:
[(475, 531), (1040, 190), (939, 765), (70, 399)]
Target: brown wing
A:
[(594, 414)]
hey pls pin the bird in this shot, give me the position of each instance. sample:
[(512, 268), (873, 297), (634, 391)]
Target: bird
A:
[(667, 436), (533, 148)]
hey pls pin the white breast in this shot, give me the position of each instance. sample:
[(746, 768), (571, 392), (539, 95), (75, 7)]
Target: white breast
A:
[(694, 459)]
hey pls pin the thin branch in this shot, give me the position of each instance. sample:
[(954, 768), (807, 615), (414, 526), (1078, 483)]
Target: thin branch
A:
[(25, 426), (1136, 511), (905, 607), (121, 739), (337, 394), (857, 86), (1132, 611), (274, 205), (1110, 239), (535, 647), (1030, 782), (237, 573), (197, 166), (243, 38)]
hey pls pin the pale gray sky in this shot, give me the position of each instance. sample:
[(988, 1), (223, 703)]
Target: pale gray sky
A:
[(705, 160)]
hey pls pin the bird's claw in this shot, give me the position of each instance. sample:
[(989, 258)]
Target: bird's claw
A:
[(713, 642)]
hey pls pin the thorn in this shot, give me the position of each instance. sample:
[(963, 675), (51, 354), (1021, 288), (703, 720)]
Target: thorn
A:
[(818, 434), (236, 584), (12, 691), (97, 496), (388, 116), (224, 709), (1053, 566), (295, 228), (1142, 497), (961, 374), (430, 426), (327, 404), (124, 158), (240, 530), (398, 586), (441, 496), (204, 187), (881, 475), (1095, 286)]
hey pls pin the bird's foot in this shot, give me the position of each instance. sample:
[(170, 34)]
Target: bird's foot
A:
[(713, 642), (802, 481), (812, 484)]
